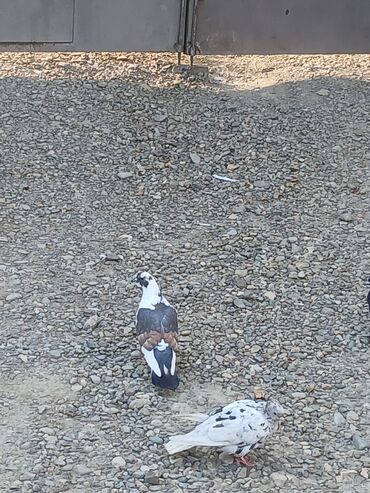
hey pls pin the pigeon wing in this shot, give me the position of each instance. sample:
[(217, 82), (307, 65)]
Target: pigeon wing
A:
[(154, 325), (237, 426)]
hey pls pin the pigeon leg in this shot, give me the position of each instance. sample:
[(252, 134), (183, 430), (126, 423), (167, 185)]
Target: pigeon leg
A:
[(244, 461)]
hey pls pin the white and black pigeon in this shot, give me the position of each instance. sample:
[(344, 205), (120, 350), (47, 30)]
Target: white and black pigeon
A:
[(236, 429), (157, 329)]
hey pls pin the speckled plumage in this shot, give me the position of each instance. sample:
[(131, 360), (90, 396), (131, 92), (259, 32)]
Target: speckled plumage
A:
[(236, 429)]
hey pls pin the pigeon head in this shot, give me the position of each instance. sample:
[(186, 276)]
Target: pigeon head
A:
[(274, 409), (144, 280)]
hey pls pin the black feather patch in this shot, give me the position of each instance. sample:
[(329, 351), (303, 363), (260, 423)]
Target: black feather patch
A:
[(216, 411), (219, 426), (164, 359), (142, 281)]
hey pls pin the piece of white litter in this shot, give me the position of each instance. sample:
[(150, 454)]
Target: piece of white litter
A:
[(224, 178)]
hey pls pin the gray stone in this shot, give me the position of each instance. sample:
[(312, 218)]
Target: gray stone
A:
[(352, 416), (95, 379), (124, 175), (47, 430), (160, 117), (16, 485), (77, 387), (81, 470), (152, 479), (271, 295), (279, 478), (55, 353), (346, 217), (339, 419), (360, 443), (195, 158), (27, 476), (119, 462), (256, 348), (13, 296), (138, 403), (239, 303), (226, 458), (155, 439), (263, 185), (91, 322), (91, 344)]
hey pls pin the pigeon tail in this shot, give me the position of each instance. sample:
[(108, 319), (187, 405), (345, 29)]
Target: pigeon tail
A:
[(170, 382), (178, 443), (195, 418), (166, 360)]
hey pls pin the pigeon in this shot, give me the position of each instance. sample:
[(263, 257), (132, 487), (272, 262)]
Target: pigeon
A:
[(156, 328), (236, 429)]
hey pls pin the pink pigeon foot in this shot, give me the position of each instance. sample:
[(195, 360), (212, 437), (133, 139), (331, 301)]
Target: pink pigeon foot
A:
[(245, 461)]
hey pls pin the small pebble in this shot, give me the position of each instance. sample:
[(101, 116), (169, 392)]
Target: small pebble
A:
[(81, 470), (91, 322), (195, 158), (118, 462), (359, 442), (13, 297)]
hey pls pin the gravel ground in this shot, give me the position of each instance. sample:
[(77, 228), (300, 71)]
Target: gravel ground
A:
[(107, 166)]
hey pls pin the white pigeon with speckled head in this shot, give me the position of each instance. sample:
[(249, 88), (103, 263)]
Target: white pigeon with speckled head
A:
[(236, 429)]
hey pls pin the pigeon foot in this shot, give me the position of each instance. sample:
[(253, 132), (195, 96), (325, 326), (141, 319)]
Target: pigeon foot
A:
[(244, 461)]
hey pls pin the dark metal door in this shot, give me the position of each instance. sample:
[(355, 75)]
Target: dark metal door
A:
[(283, 26), (126, 25), (89, 25), (27, 21), (190, 26)]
